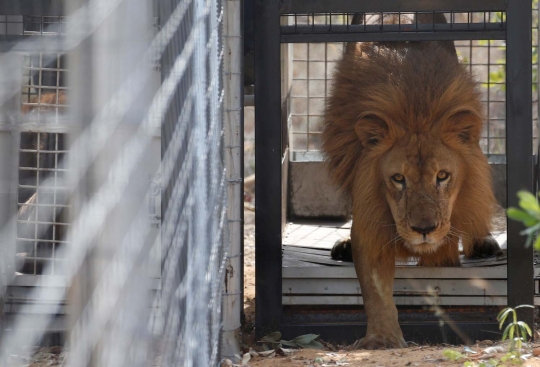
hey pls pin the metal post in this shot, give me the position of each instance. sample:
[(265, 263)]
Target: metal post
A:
[(234, 162), (519, 149), (268, 292)]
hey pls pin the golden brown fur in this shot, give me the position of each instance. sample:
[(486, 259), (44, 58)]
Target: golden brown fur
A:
[(48, 102), (417, 91), (411, 110)]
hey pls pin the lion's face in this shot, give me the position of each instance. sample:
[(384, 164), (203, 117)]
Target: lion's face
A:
[(422, 178)]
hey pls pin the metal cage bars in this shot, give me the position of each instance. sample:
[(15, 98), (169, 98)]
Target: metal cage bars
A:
[(269, 144)]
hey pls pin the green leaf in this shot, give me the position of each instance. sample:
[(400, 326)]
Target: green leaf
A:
[(509, 328), (528, 202), (452, 355), (311, 345), (528, 241), (289, 343), (521, 216), (525, 327), (305, 339), (530, 230), (468, 364), (524, 306), (512, 330), (518, 343), (503, 315), (272, 337), (537, 244)]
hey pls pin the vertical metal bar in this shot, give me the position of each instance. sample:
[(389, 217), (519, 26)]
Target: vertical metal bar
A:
[(308, 120), (233, 102), (519, 149), (488, 109), (268, 167), (81, 101)]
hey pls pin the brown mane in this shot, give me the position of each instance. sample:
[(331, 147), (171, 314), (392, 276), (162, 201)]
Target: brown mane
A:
[(414, 89), (408, 87)]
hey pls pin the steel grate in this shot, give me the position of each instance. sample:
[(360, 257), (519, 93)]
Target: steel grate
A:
[(401, 22), (313, 64), (42, 217), (44, 80)]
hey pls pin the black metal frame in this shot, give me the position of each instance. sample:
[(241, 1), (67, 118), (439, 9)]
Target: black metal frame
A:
[(268, 148)]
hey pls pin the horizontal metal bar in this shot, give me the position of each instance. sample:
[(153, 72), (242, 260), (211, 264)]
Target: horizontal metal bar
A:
[(402, 288), (32, 7), (43, 150), (49, 86), (316, 156), (42, 222), (44, 188), (389, 37), (402, 272), (23, 280), (39, 239), (43, 169), (39, 44), (347, 6), (38, 259), (45, 205), (26, 280), (391, 32), (405, 300), (379, 28)]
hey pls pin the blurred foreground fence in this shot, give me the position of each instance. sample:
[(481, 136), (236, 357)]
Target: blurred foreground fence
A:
[(113, 187)]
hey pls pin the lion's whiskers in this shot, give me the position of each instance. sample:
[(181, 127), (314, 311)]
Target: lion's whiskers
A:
[(395, 239)]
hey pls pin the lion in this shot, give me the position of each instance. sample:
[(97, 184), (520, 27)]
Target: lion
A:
[(402, 126)]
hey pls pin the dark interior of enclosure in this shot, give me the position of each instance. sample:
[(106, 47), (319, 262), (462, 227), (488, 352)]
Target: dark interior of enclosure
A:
[(480, 30)]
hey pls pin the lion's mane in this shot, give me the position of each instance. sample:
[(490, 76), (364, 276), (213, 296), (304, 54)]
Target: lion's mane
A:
[(417, 88)]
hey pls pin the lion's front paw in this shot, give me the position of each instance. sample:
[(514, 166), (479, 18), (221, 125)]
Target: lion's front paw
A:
[(342, 250), (484, 248), (377, 341)]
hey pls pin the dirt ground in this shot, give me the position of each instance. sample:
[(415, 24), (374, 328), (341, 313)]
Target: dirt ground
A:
[(415, 355), (412, 356)]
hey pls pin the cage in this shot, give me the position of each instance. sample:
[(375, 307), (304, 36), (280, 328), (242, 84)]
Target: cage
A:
[(36, 129), (299, 288)]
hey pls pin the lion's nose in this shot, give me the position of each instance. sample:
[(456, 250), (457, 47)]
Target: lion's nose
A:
[(425, 228)]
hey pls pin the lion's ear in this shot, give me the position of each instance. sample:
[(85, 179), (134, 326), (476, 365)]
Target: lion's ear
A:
[(466, 126), (371, 130)]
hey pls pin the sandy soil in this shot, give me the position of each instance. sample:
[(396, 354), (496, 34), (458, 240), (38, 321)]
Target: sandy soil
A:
[(415, 355)]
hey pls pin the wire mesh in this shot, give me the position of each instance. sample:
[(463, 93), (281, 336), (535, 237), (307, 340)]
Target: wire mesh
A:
[(120, 212), (42, 219), (406, 22), (313, 64)]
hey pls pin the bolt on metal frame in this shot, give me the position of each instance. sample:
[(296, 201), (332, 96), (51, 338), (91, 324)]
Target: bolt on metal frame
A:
[(269, 36)]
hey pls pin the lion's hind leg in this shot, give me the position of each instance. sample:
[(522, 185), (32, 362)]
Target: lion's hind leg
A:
[(342, 250)]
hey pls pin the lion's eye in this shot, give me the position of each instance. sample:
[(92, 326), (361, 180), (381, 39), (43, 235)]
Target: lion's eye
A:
[(442, 176), (398, 178)]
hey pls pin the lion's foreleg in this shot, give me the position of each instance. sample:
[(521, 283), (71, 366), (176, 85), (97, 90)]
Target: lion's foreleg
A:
[(375, 271), (482, 247)]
